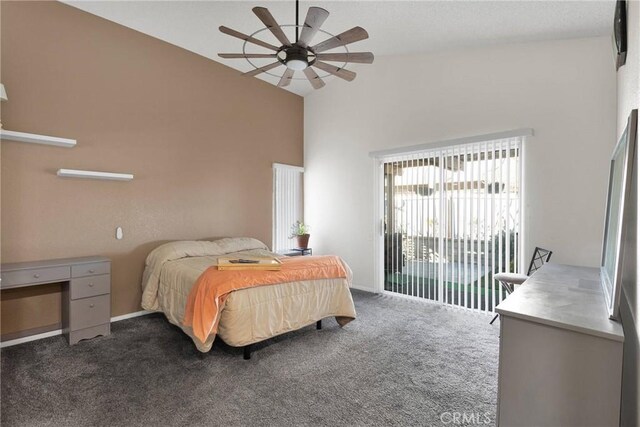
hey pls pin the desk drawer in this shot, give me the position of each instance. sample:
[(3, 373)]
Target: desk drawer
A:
[(92, 269), (84, 287), (18, 278), (87, 312)]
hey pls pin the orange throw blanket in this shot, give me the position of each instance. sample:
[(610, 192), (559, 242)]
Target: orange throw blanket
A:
[(208, 295)]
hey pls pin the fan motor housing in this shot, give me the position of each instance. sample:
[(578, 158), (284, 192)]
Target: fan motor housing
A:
[(295, 56)]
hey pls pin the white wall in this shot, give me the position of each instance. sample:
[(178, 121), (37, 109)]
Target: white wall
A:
[(564, 90)]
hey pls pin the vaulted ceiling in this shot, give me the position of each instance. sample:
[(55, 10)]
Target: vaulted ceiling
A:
[(394, 27)]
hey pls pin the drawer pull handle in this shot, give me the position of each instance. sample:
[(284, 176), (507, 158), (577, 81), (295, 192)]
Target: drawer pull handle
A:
[(91, 285), (92, 271), (90, 305), (37, 276)]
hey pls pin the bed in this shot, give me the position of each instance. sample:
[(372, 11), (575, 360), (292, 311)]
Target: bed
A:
[(249, 315)]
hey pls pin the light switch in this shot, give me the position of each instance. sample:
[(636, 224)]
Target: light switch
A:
[(119, 233)]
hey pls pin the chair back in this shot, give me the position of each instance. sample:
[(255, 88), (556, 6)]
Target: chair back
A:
[(540, 257)]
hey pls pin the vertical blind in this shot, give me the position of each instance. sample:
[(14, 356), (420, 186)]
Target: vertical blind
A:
[(287, 203), (452, 219)]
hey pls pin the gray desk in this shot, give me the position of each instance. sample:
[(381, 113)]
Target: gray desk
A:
[(86, 294), (560, 354)]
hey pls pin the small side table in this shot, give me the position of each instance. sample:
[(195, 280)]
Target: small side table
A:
[(298, 252)]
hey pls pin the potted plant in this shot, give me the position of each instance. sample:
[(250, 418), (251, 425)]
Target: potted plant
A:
[(300, 231)]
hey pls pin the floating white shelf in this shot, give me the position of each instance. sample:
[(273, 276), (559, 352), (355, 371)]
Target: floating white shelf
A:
[(9, 135), (73, 173)]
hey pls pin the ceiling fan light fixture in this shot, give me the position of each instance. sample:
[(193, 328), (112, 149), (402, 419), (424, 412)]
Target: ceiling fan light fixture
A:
[(296, 64), (296, 60), (299, 55)]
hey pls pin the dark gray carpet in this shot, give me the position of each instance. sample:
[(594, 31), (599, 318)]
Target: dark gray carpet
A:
[(401, 362)]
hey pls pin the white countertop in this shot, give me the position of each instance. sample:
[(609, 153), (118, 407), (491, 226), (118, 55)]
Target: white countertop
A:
[(566, 297)]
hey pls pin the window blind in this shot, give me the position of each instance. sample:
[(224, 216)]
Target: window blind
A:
[(452, 219), (287, 203)]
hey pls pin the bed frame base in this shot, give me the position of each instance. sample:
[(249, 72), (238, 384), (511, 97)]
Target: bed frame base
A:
[(246, 350)]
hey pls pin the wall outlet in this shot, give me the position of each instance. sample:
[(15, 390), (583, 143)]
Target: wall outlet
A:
[(119, 233)]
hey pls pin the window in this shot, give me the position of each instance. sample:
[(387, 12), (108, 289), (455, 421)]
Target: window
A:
[(452, 219), (287, 203)]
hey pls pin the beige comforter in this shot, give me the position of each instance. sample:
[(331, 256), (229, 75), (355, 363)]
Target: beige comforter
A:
[(250, 315)]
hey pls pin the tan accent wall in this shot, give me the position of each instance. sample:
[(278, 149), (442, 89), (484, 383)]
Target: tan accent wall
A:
[(199, 138)]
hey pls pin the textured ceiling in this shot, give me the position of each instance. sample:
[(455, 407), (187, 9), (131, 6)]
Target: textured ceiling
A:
[(394, 27)]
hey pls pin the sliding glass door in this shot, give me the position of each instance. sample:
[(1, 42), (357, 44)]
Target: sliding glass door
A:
[(452, 219)]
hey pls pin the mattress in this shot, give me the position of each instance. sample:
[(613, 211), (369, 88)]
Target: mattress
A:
[(253, 314)]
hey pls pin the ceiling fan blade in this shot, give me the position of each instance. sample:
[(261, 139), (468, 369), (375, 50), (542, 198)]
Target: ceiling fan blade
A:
[(246, 55), (340, 72), (262, 69), (350, 36), (247, 38), (269, 21), (286, 78), (312, 23), (359, 57), (313, 78)]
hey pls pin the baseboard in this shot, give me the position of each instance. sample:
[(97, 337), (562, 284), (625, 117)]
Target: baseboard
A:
[(30, 338), (362, 288), (30, 332), (53, 333), (131, 315)]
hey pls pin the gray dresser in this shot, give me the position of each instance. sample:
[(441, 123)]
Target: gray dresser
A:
[(86, 294), (560, 354)]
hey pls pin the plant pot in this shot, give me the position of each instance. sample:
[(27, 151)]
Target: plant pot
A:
[(303, 241)]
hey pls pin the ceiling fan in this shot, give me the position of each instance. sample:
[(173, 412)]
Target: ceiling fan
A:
[(299, 55)]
